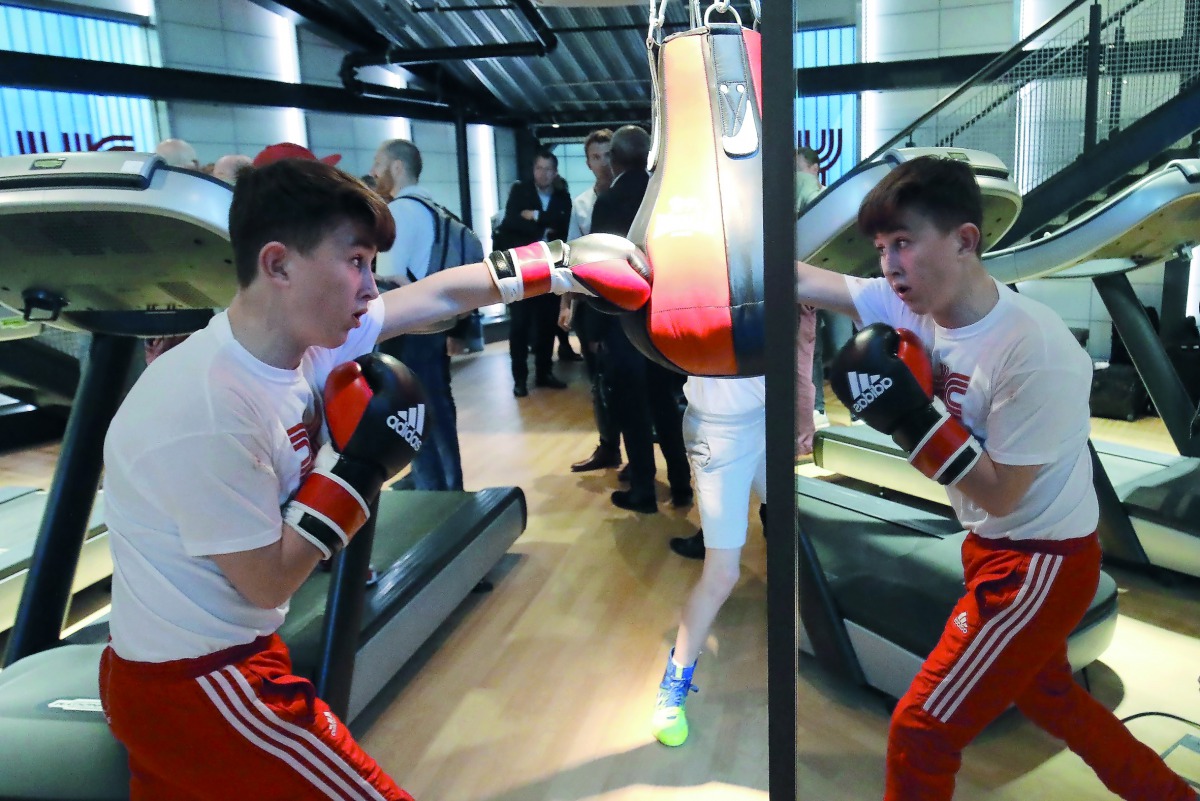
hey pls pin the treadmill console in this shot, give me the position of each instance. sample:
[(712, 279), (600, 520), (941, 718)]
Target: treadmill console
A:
[(105, 168), (113, 242)]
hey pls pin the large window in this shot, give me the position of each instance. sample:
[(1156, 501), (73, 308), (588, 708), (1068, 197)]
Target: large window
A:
[(35, 121), (828, 123)]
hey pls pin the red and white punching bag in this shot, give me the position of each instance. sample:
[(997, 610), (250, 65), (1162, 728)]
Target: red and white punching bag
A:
[(700, 223)]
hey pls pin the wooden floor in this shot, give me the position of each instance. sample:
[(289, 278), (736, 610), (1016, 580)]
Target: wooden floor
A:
[(542, 689)]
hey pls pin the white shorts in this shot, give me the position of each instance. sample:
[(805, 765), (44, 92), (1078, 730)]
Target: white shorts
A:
[(728, 454)]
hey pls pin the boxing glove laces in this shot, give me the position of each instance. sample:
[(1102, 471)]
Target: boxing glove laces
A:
[(607, 269)]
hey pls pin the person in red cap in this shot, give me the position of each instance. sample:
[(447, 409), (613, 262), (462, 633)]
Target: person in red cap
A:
[(291, 150)]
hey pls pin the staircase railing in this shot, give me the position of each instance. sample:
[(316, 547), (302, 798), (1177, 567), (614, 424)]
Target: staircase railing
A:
[(1084, 75)]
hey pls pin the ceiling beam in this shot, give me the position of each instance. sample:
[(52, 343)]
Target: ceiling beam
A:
[(352, 32), (54, 73)]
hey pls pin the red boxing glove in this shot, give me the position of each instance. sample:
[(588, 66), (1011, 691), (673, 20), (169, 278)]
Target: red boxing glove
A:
[(604, 267), (946, 451), (911, 351), (375, 412)]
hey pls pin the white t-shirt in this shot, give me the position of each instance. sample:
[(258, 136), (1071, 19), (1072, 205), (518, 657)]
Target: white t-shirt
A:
[(414, 238), (202, 454), (581, 213), (725, 396), (1018, 380)]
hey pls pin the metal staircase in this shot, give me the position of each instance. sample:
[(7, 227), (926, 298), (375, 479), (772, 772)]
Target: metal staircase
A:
[(1101, 93)]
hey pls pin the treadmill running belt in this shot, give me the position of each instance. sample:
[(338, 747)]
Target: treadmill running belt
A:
[(896, 572)]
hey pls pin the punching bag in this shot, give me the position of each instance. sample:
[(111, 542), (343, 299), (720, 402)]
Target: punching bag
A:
[(700, 223)]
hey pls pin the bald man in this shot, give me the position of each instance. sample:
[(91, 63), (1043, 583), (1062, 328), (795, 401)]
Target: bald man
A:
[(227, 168), (178, 153)]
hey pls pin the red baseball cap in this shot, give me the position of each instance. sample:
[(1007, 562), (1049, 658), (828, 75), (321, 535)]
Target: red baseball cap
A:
[(290, 150)]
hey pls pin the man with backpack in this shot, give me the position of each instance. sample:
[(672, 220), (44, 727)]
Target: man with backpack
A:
[(428, 239)]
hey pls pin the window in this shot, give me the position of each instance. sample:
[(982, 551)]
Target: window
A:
[(828, 123), (36, 121)]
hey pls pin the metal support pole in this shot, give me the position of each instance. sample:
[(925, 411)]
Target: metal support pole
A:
[(342, 626), (1114, 528), (1091, 108), (779, 279), (464, 170), (1148, 355), (46, 596), (1116, 80)]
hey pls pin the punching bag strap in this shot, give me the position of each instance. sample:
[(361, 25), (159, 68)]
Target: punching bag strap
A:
[(739, 133), (739, 139), (654, 40)]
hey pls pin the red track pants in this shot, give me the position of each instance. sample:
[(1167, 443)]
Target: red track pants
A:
[(1005, 643), (234, 724)]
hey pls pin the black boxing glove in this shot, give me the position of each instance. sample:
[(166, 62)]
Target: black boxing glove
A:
[(376, 415), (884, 376)]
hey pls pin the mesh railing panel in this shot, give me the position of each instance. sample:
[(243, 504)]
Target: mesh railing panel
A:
[(1032, 115)]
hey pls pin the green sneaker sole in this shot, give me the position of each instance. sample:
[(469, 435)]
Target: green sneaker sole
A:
[(674, 732)]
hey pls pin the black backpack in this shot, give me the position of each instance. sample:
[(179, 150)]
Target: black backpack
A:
[(453, 242)]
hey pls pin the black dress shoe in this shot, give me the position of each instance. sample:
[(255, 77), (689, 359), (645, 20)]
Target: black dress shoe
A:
[(601, 458), (689, 547), (550, 381), (520, 390), (627, 500), (623, 475), (569, 356), (682, 499)]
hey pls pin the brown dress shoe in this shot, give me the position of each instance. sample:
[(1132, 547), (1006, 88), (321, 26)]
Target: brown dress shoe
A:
[(600, 459)]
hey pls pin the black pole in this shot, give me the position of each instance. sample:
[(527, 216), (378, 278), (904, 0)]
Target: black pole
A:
[(342, 625), (464, 170), (1148, 355), (1091, 108), (46, 596), (779, 283), (1116, 80), (1117, 536)]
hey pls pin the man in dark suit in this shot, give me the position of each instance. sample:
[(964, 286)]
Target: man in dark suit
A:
[(536, 210), (643, 393)]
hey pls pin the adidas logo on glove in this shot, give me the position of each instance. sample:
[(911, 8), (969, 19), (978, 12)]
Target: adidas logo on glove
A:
[(409, 424), (866, 388)]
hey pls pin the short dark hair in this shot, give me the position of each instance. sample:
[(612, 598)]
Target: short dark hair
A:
[(405, 151), (943, 190), (543, 153), (630, 148), (809, 155), (298, 202), (603, 136)]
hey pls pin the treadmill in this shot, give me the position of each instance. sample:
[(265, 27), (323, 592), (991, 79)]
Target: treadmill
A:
[(21, 512), (158, 237), (880, 575), (1160, 493)]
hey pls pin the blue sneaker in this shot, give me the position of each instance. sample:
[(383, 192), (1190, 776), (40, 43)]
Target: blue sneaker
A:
[(670, 724)]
